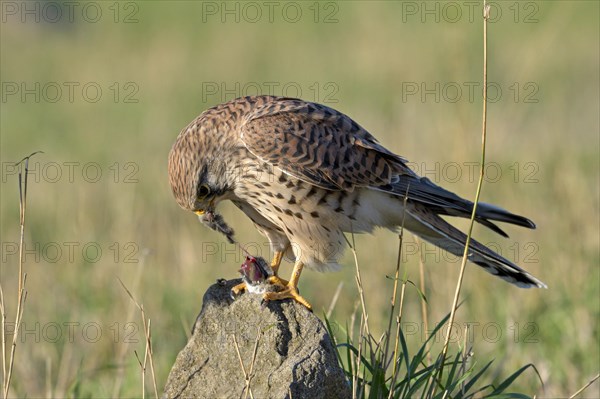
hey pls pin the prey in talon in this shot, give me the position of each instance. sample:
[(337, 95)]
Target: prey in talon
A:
[(261, 278), (256, 274)]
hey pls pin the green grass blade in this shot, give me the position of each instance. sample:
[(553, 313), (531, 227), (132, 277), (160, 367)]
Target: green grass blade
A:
[(476, 377), (508, 382)]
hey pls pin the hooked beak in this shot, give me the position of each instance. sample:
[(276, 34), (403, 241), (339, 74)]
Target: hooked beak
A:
[(210, 208)]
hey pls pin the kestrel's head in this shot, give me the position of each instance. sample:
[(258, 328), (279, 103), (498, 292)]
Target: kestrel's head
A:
[(196, 171)]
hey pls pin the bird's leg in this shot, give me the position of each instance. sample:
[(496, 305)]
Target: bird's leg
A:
[(291, 289), (274, 279)]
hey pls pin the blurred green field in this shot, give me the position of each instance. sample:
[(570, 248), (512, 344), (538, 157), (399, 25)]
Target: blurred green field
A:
[(103, 89)]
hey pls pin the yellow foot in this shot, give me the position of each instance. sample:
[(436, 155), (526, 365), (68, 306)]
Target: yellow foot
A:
[(238, 289), (276, 280), (273, 280), (288, 292)]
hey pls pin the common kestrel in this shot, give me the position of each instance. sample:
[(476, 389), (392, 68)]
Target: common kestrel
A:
[(305, 174)]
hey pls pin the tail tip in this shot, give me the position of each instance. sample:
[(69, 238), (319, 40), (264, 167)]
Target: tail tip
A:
[(531, 283)]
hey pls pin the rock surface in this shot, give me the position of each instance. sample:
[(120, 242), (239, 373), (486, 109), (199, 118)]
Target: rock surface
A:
[(285, 349)]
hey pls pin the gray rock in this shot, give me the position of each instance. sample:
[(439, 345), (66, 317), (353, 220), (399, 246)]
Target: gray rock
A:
[(285, 349)]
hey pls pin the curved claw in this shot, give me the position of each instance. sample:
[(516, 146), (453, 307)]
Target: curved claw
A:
[(289, 292), (276, 280), (238, 290)]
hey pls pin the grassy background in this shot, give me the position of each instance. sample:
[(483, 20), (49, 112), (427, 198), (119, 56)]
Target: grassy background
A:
[(80, 330)]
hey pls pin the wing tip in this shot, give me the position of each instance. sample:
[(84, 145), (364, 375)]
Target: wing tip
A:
[(494, 212)]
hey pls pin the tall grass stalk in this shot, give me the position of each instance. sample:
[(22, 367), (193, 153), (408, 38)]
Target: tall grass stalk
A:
[(486, 15), (358, 279), (424, 312), (393, 300), (396, 369), (148, 351), (8, 363), (123, 348)]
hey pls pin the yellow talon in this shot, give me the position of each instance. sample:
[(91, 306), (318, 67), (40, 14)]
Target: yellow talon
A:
[(238, 289), (289, 292), (288, 289), (276, 280)]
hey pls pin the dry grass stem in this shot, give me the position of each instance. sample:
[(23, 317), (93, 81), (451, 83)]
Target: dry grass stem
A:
[(486, 14), (395, 289), (148, 353), (583, 388), (122, 350), (395, 368), (7, 364), (358, 358), (334, 300), (143, 368), (247, 377), (358, 279), (254, 352), (424, 312)]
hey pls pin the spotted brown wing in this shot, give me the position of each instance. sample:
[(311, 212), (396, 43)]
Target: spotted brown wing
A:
[(319, 145)]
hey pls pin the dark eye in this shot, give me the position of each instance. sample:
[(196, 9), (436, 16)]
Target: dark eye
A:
[(203, 191)]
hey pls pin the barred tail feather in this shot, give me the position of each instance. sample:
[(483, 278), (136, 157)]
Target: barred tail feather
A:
[(443, 202), (437, 231)]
